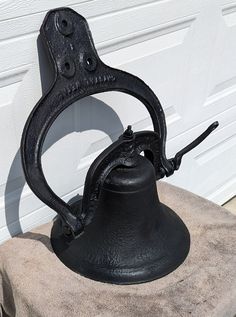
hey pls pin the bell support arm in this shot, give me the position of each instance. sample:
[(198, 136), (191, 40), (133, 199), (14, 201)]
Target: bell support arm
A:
[(79, 72)]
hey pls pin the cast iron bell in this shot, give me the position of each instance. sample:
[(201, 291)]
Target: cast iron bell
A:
[(119, 232)]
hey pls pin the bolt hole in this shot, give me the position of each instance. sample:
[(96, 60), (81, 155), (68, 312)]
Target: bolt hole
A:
[(67, 66), (89, 61), (64, 23)]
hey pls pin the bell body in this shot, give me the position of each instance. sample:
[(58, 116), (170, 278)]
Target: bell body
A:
[(132, 238)]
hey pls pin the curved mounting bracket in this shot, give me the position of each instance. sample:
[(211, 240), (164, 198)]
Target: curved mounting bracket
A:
[(79, 72)]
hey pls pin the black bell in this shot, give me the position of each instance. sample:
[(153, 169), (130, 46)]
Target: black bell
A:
[(132, 237), (118, 232)]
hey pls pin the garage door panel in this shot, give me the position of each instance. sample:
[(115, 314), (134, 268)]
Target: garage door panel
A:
[(184, 50)]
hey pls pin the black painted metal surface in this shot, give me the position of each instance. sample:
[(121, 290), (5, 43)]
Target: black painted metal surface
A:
[(119, 232)]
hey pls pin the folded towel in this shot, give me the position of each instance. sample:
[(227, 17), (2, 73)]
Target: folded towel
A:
[(35, 283)]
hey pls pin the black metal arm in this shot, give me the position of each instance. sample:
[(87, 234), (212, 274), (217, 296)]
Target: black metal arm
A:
[(79, 72), (176, 161)]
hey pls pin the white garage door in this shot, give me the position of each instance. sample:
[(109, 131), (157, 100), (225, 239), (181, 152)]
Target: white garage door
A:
[(184, 50)]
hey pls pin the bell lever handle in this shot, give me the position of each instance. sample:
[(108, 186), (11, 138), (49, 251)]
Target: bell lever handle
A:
[(176, 161)]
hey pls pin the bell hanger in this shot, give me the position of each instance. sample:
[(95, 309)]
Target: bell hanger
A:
[(91, 236)]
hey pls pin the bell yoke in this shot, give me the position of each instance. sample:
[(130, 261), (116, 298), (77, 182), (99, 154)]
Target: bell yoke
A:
[(118, 232)]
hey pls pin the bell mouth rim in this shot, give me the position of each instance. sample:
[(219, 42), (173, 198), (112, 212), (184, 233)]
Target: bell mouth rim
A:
[(138, 277), (165, 262)]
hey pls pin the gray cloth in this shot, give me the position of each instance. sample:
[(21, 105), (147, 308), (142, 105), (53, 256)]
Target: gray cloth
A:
[(35, 283)]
